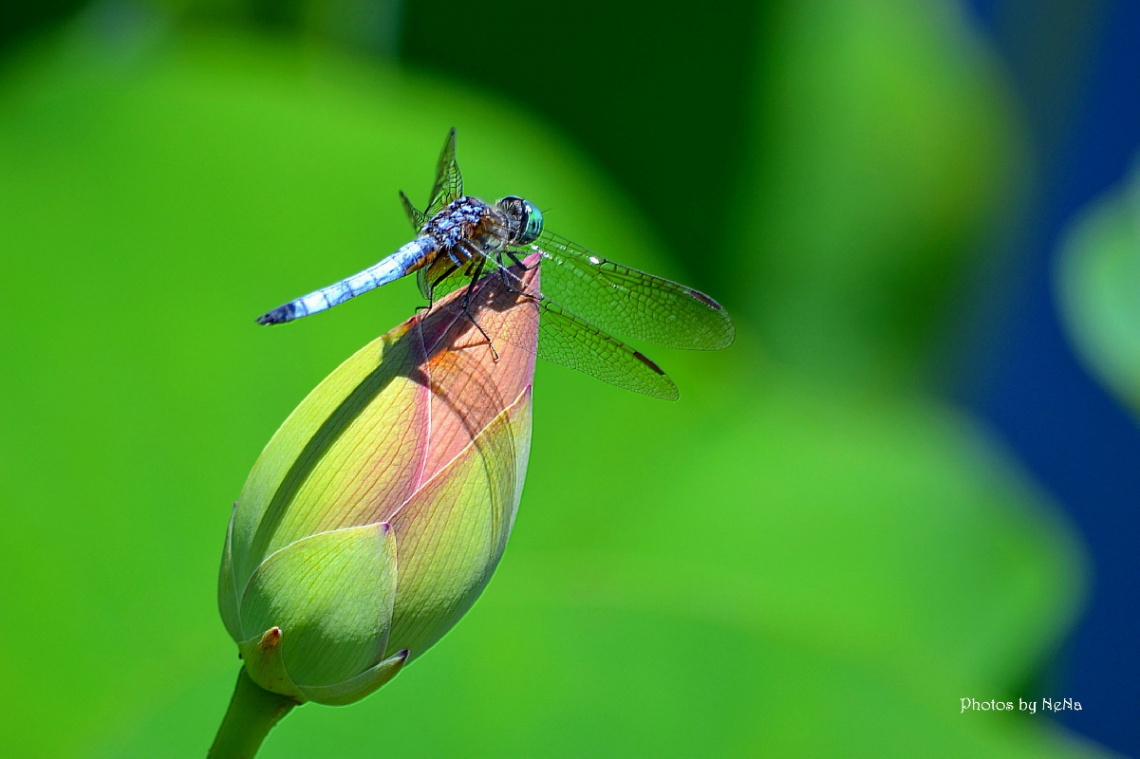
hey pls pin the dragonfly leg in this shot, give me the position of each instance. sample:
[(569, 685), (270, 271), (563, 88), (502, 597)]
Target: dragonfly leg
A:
[(471, 285), (509, 279), (467, 306), (432, 285), (491, 345)]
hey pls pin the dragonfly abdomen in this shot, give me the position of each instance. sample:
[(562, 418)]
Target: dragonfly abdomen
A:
[(404, 261)]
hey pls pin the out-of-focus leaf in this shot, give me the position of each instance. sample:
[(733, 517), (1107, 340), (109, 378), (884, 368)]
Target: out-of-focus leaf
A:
[(1099, 288), (882, 149), (657, 97)]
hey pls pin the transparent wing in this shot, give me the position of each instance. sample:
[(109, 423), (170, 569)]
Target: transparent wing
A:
[(418, 218), (448, 181), (566, 339), (628, 302), (441, 278)]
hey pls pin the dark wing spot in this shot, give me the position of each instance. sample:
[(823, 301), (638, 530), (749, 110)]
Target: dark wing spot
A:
[(698, 295), (647, 362)]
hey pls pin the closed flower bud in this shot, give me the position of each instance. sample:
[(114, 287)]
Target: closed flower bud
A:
[(378, 511)]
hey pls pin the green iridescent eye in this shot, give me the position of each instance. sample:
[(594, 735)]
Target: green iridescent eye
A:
[(533, 226)]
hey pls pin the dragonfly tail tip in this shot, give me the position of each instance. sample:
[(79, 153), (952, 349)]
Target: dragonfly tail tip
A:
[(276, 316)]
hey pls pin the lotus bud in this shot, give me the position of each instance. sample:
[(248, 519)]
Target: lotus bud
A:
[(376, 514)]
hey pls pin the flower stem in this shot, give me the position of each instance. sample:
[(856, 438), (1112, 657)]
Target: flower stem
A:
[(252, 713)]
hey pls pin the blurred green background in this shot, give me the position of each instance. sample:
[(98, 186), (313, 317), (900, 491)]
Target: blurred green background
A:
[(815, 552)]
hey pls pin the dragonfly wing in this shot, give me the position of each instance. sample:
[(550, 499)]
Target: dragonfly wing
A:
[(629, 302), (448, 181), (566, 339), (440, 278), (418, 218)]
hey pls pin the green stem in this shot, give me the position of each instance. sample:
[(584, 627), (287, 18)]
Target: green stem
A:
[(252, 713)]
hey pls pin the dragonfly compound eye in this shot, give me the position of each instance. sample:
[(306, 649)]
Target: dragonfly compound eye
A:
[(527, 219)]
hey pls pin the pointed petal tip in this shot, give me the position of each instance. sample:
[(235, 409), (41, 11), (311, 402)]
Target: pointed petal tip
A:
[(265, 665), (358, 687), (270, 640)]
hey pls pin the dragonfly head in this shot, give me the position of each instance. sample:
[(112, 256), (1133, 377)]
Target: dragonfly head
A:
[(525, 219)]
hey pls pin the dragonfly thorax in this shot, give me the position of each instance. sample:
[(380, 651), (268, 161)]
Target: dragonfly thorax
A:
[(464, 218), (470, 222)]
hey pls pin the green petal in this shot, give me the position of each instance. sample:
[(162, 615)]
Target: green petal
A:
[(263, 662), (358, 687), (332, 596), (453, 531), (348, 453), (227, 587)]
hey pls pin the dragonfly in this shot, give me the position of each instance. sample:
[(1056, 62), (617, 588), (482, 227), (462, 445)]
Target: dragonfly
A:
[(583, 299)]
